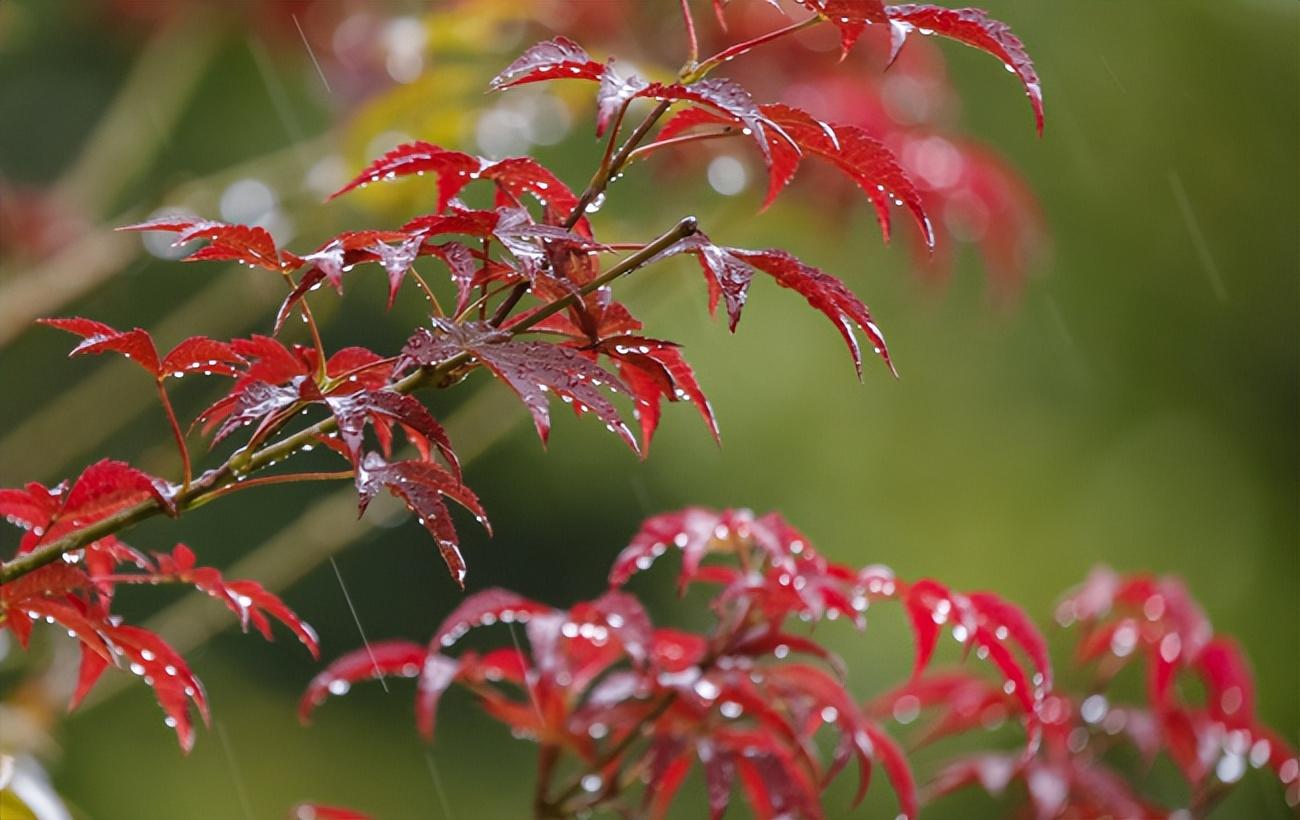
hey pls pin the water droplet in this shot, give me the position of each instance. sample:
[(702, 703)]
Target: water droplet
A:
[(1094, 708), (1230, 769), (706, 689), (906, 709), (338, 686)]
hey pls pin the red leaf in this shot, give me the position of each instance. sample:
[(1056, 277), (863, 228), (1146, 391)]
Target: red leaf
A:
[(92, 666), (252, 597), (774, 783), (647, 387), (665, 781), (199, 354), (729, 272), (71, 618), (273, 363), (992, 772), (396, 261), (166, 672), (1230, 687), (251, 246), (533, 244), (922, 602), (849, 16), (461, 263), (257, 401), (1183, 744), (421, 485), (452, 167), (863, 159), (484, 609), (690, 530), (248, 600), (616, 91), (974, 28), (727, 276), (103, 489), (782, 643), (316, 811), (332, 259), (436, 675), (655, 370), (719, 778), (136, 344), (672, 650), (377, 660), (626, 619), (32, 507), (560, 58), (858, 156), (1018, 626), (965, 702), (472, 223), (729, 98), (382, 406), (369, 370), (525, 175), (55, 580), (825, 293), (896, 767), (530, 369)]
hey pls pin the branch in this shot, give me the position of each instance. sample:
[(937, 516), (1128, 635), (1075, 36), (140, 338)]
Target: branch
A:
[(609, 168), (601, 180), (212, 482)]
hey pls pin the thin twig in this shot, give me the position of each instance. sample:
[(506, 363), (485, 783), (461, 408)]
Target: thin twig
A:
[(732, 52), (176, 434), (267, 480), (729, 131), (693, 54)]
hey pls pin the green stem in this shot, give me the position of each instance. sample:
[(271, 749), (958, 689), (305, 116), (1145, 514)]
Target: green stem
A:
[(211, 484)]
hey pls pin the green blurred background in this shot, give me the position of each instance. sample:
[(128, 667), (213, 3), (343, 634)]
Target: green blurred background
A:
[(1135, 406)]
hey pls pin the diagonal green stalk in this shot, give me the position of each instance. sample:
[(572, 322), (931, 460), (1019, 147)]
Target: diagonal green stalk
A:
[(212, 482)]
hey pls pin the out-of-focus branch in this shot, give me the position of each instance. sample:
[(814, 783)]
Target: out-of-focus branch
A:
[(68, 274), (221, 309), (143, 112)]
